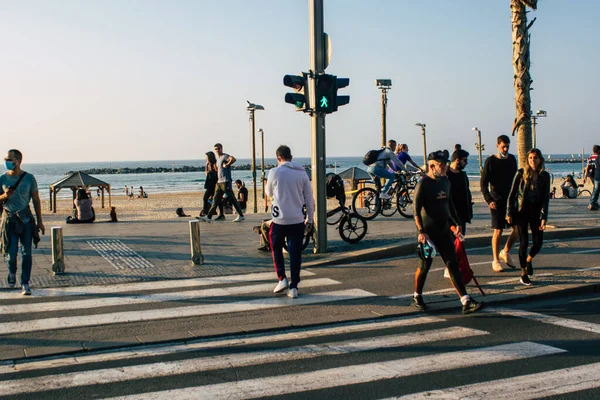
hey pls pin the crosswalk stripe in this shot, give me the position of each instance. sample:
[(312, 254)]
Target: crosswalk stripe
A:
[(161, 369), (549, 319), (525, 387), (354, 374), (210, 343), (152, 298), (180, 312), (154, 285)]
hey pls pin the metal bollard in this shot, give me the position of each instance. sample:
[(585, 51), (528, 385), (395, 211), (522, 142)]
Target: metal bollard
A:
[(58, 255), (195, 247)]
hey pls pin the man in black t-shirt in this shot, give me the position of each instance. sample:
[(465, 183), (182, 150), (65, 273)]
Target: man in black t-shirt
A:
[(496, 180), (242, 195)]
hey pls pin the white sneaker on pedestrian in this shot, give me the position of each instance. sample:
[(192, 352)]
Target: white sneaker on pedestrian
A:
[(496, 266), (26, 291), (204, 218), (293, 293), (281, 286), (446, 273), (385, 196), (504, 256), (239, 218)]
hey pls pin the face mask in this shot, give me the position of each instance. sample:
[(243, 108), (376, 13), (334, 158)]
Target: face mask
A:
[(502, 155), (9, 165)]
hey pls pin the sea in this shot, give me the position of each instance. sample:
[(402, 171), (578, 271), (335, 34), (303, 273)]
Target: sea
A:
[(178, 182)]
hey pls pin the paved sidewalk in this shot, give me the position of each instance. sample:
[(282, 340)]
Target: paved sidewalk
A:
[(104, 253)]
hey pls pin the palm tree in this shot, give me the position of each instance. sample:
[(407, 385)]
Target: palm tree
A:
[(522, 78)]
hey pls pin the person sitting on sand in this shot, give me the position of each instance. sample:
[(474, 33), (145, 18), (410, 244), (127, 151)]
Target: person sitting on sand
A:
[(85, 211), (569, 188)]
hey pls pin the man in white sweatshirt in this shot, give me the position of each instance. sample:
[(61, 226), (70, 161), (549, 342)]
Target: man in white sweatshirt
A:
[(292, 209)]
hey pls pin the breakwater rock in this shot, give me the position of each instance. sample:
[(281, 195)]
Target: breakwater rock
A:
[(562, 160), (155, 170)]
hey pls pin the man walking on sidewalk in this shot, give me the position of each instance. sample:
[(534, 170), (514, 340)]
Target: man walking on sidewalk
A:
[(18, 188), (434, 216), (224, 185), (593, 172), (292, 209), (496, 180)]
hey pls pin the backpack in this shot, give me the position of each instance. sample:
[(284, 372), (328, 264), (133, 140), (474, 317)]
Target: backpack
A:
[(335, 187), (371, 156)]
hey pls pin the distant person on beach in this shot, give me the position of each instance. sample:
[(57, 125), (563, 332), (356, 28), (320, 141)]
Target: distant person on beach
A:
[(17, 189), (131, 193), (402, 153), (496, 180), (289, 187), (379, 169), (224, 181), (459, 188), (142, 194), (85, 210), (569, 188), (242, 195), (528, 209), (126, 190), (592, 171), (210, 184), (98, 192), (435, 216)]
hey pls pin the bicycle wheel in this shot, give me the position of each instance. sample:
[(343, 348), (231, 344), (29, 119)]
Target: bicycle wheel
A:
[(366, 203), (305, 242), (388, 207), (404, 203), (353, 228), (584, 193)]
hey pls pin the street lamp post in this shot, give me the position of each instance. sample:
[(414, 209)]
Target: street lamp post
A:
[(262, 166), (251, 107), (424, 144), (384, 85), (479, 147), (538, 114)]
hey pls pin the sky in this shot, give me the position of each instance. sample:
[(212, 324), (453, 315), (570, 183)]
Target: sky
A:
[(132, 80)]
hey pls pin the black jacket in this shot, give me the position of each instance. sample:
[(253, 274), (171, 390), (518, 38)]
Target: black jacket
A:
[(517, 194)]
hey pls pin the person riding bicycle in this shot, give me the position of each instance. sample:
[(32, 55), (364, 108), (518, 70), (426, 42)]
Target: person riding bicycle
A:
[(386, 158)]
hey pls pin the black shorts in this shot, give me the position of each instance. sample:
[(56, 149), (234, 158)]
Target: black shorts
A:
[(499, 215)]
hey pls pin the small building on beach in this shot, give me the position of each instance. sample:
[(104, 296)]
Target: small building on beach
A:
[(75, 181)]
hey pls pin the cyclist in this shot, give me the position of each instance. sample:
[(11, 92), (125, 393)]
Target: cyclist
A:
[(386, 158), (402, 153)]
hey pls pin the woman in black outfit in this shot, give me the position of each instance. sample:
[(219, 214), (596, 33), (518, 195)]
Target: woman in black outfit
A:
[(210, 183), (528, 207)]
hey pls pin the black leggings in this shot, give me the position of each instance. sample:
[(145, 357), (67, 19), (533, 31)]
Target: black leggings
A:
[(206, 205), (444, 244), (529, 217)]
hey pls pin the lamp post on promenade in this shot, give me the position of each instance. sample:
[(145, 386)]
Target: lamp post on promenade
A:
[(262, 166), (538, 114), (251, 107), (424, 144), (479, 147), (384, 85)]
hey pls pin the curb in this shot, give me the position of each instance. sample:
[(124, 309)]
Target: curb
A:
[(407, 247)]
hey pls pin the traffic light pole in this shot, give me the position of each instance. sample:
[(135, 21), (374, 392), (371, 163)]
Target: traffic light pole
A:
[(317, 124)]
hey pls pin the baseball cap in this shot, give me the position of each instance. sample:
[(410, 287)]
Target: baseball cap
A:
[(439, 155), (460, 154)]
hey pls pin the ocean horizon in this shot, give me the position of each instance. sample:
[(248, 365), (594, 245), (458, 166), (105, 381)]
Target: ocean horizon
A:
[(177, 182)]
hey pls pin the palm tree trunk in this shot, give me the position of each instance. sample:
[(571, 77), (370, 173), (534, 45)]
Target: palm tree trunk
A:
[(522, 77)]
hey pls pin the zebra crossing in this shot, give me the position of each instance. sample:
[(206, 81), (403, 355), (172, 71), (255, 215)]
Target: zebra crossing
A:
[(257, 365)]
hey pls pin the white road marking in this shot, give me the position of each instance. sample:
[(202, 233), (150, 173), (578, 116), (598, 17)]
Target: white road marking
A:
[(162, 369), (525, 387), (154, 285), (548, 319), (210, 343), (180, 312), (152, 298), (585, 251), (355, 374), (588, 269)]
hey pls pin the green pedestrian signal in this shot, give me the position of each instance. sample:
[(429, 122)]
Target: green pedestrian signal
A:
[(327, 98), (324, 103)]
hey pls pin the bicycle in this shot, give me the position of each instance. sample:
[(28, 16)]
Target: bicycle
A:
[(583, 192), (368, 203)]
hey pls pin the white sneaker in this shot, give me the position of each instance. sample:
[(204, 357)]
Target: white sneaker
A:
[(281, 286), (496, 266), (385, 196), (26, 291), (293, 293), (504, 256), (204, 218), (239, 218), (446, 273)]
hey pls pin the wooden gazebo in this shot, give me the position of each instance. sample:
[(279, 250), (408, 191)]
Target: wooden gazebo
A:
[(75, 181)]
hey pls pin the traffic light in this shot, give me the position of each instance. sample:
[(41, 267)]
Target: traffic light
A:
[(327, 98), (300, 98)]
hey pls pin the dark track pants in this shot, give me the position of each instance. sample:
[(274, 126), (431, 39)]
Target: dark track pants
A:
[(444, 244), (529, 217), (293, 234)]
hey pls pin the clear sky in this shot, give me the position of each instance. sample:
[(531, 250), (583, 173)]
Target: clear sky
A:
[(146, 79)]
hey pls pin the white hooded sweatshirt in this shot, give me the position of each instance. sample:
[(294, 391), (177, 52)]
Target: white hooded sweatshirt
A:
[(289, 186)]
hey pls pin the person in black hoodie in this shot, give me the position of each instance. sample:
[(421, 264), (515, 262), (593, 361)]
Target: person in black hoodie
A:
[(528, 208), (210, 184)]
